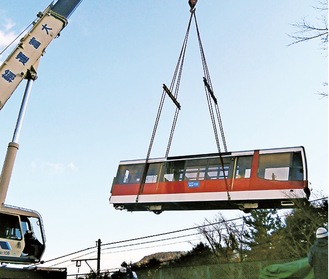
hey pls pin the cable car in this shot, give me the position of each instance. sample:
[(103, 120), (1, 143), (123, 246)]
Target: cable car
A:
[(21, 235), (246, 180)]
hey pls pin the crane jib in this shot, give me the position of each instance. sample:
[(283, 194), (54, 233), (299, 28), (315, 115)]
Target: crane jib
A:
[(31, 47), (66, 8)]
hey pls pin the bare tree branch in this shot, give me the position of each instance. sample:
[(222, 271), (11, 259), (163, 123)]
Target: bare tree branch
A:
[(307, 32), (310, 32)]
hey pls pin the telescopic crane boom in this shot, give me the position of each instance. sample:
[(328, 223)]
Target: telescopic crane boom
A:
[(33, 45), (22, 238)]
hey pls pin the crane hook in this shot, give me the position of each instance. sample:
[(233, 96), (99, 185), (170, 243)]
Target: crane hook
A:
[(192, 4)]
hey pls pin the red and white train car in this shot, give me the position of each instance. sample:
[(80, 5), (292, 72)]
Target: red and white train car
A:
[(267, 178)]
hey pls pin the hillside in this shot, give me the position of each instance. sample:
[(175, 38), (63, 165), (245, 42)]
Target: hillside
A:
[(161, 257)]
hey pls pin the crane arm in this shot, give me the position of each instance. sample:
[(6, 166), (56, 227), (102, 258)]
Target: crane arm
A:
[(32, 46)]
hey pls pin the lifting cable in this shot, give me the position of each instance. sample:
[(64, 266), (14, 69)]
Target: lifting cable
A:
[(211, 96), (177, 78), (209, 90), (174, 87)]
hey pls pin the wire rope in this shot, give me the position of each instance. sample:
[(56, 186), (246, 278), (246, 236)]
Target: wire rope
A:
[(19, 35), (209, 90), (210, 96), (173, 86)]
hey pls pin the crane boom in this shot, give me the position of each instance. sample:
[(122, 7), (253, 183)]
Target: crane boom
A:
[(32, 46), (22, 237)]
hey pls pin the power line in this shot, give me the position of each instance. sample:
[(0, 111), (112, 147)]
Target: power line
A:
[(147, 237), (139, 238)]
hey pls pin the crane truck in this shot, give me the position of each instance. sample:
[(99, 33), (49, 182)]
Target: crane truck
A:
[(22, 236)]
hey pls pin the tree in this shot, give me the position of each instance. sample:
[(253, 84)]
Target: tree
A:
[(92, 275), (260, 234), (200, 248), (307, 31), (199, 255), (224, 238), (298, 233), (266, 235)]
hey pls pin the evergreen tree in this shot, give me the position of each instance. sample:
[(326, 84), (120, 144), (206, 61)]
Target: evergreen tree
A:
[(298, 233), (260, 235)]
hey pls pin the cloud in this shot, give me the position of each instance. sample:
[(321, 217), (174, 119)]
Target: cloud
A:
[(7, 34), (54, 168)]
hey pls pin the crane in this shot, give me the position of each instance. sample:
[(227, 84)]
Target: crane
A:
[(22, 237)]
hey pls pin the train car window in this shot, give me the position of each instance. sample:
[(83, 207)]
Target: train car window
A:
[(218, 170), (173, 171), (243, 167), (191, 174), (274, 166), (195, 169), (130, 173), (296, 171), (9, 227), (152, 173), (197, 173)]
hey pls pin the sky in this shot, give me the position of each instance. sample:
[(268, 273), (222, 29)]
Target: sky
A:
[(98, 90)]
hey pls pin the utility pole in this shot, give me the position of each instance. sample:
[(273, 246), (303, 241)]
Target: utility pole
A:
[(98, 257)]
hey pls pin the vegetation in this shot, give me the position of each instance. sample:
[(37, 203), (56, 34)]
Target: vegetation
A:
[(266, 235), (263, 235), (307, 31), (310, 31)]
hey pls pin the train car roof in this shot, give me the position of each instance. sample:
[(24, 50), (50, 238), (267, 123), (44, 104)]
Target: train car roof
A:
[(212, 155)]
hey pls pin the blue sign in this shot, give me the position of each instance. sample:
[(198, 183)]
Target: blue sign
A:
[(193, 184)]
